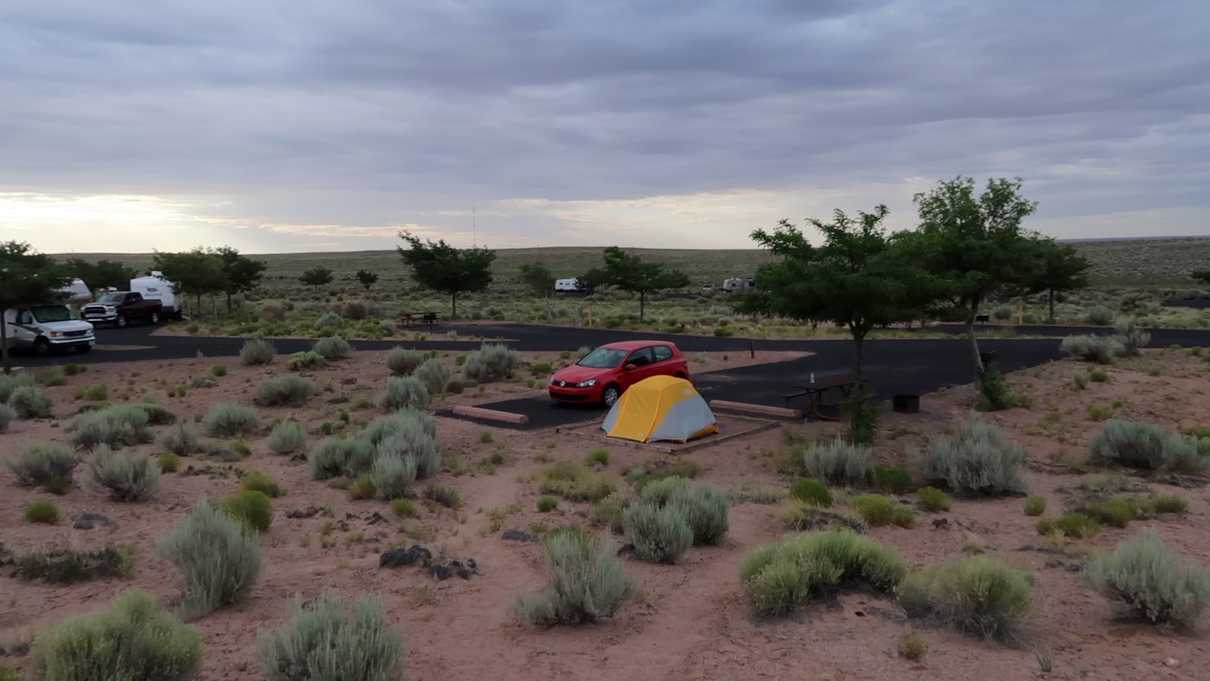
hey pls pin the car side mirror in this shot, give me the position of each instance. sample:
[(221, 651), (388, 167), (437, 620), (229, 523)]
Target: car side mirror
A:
[(629, 367)]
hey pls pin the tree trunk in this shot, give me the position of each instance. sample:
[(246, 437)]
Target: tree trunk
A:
[(642, 304), (858, 356), (453, 304), (8, 369), (1051, 297), (228, 302), (970, 332)]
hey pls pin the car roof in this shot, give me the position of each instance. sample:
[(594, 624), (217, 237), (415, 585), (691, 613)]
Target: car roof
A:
[(636, 344)]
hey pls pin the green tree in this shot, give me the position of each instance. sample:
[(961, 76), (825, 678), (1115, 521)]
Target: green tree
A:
[(858, 278), (440, 267), (1059, 268), (316, 276), (198, 272), (975, 243), (102, 273), (634, 275), (1202, 276), (26, 278), (241, 272), (538, 278), (367, 278)]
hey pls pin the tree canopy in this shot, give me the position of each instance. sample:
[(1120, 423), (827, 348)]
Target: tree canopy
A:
[(538, 278), (633, 274), (1202, 276), (102, 273), (1060, 268), (366, 278), (439, 266), (198, 272), (316, 276), (26, 278), (241, 272)]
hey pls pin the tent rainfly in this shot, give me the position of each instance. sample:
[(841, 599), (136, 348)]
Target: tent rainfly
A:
[(660, 408)]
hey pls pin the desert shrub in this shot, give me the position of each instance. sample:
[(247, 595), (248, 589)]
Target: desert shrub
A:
[(10, 382), (1071, 525), (328, 639), (335, 457), (491, 362), (1170, 503), (658, 534), (445, 495), (609, 512), (290, 391), (801, 517), (586, 581), (94, 393), (287, 437), (133, 640), (1079, 381), (256, 351), (785, 575), (42, 511), (1099, 315), (658, 469), (404, 508), (362, 487), (1149, 580), (218, 370), (861, 413), (1132, 338), (1116, 511), (392, 475), (433, 375), (219, 560), (1099, 412), (838, 462), (454, 387), (117, 426), (705, 509), (229, 419), (994, 393), (127, 477), (573, 482), (404, 393), (893, 479), (403, 362), (1099, 349), (253, 509), (30, 403), (597, 457), (912, 645), (302, 361), (332, 348), (7, 414), (933, 499), (547, 504), (408, 434), (877, 510), (1035, 505), (169, 462), (977, 460), (1143, 445), (978, 595), (68, 566), (182, 440), (259, 481), (811, 491), (48, 466)]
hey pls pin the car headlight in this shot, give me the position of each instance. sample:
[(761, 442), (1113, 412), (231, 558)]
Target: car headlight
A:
[(587, 384), (55, 334)]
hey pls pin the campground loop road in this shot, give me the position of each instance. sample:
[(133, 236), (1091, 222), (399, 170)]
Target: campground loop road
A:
[(893, 366)]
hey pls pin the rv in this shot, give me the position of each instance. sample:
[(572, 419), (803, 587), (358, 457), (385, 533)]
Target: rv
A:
[(569, 285), (732, 284), (150, 299)]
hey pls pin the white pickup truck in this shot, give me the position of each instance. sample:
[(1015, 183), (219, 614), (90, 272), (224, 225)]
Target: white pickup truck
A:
[(43, 328)]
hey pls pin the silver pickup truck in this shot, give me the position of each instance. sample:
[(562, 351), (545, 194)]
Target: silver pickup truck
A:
[(43, 328)]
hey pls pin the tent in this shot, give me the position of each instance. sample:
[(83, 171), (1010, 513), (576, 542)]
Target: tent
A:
[(660, 408)]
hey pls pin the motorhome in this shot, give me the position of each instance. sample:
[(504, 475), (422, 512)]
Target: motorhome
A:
[(569, 285), (155, 287), (738, 284)]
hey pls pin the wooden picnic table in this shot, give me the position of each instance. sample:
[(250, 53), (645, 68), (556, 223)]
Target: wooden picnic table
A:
[(409, 318), (814, 392)]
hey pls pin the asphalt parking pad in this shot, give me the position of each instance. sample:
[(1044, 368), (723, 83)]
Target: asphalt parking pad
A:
[(730, 427), (542, 411)]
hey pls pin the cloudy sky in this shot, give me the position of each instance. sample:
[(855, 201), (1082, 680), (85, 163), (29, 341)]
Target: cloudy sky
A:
[(298, 125)]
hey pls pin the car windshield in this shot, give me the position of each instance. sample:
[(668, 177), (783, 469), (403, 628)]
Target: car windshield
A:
[(603, 358), (112, 298), (51, 313)]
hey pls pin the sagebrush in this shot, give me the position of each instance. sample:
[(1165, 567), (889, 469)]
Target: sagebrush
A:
[(978, 595), (586, 581), (979, 459), (1149, 580), (218, 559), (331, 639), (127, 477)]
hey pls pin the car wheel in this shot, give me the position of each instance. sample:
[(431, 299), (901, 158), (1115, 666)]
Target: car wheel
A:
[(611, 395), (120, 322), (155, 318), (41, 346), (83, 348)]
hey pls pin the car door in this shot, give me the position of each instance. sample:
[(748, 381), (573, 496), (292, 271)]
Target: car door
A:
[(134, 306), (643, 361), (665, 365)]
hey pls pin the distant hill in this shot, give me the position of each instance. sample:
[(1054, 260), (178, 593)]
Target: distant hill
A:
[(1115, 262)]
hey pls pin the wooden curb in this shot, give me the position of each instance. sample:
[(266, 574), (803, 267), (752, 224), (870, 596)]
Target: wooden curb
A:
[(757, 409), (489, 414)]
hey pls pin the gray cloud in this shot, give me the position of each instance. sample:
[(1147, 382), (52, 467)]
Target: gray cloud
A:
[(381, 113)]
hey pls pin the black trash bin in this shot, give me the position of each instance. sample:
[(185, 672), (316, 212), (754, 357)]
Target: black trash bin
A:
[(906, 404)]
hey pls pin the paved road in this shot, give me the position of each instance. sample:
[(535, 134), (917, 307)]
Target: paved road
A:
[(914, 366)]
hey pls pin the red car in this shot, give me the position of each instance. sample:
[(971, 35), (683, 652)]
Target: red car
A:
[(605, 373)]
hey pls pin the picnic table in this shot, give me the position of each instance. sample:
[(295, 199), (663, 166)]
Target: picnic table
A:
[(815, 391), (409, 318)]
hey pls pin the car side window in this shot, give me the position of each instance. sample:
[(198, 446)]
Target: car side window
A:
[(662, 352), (26, 317), (641, 358), (132, 297)]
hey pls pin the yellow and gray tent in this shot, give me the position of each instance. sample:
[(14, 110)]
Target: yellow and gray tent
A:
[(660, 408)]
